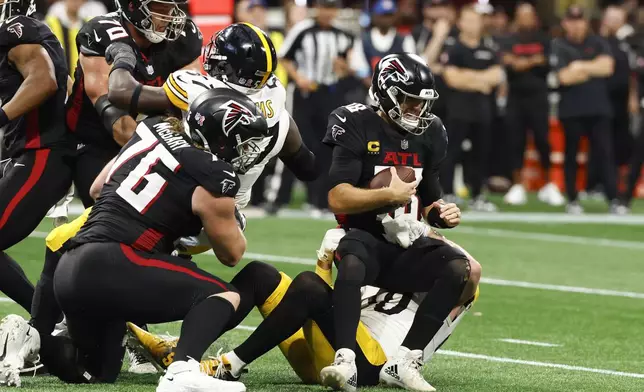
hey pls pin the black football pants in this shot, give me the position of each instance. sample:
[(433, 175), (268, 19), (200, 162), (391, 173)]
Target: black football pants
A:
[(30, 184), (528, 113), (100, 286), (479, 134), (601, 144)]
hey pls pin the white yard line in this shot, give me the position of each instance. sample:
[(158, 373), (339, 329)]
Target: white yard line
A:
[(529, 342), (539, 364), (490, 281), (517, 361)]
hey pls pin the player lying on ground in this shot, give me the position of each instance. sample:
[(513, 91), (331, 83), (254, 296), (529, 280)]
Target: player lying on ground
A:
[(34, 170), (299, 317), (241, 57), (118, 266), (392, 251)]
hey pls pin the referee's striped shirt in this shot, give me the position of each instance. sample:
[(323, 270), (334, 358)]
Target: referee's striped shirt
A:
[(313, 50)]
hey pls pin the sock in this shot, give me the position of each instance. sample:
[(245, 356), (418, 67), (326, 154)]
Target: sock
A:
[(201, 327), (45, 311), (346, 301), (14, 282), (236, 364)]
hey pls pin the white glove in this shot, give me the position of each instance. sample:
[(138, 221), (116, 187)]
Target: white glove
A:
[(194, 244), (329, 245), (403, 230)]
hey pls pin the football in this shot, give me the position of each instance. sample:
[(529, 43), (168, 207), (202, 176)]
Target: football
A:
[(383, 177)]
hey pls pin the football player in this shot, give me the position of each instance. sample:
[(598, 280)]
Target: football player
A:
[(299, 319), (392, 251), (163, 40), (118, 266), (241, 57), (34, 171)]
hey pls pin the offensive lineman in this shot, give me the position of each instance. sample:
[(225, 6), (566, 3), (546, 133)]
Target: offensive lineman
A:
[(118, 267), (394, 252), (163, 40), (241, 57), (34, 171)]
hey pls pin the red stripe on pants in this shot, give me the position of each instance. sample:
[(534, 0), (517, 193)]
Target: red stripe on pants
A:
[(143, 262), (36, 172)]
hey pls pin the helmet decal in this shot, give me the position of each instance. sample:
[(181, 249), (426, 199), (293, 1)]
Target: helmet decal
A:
[(392, 69), (235, 113)]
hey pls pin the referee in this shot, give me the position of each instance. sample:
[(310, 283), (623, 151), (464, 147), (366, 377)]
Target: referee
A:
[(314, 54)]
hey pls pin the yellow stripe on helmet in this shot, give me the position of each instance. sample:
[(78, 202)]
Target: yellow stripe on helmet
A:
[(267, 49)]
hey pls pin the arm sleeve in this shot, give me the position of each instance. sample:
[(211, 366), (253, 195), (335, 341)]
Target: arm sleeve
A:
[(346, 167), (21, 31), (342, 130), (215, 175)]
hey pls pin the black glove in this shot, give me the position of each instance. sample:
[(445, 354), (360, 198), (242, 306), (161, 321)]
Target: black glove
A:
[(241, 219), (122, 55)]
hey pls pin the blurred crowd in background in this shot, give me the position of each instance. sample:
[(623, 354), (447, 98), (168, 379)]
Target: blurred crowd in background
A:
[(509, 74)]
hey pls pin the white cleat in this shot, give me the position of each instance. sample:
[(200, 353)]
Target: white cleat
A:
[(516, 196), (19, 343), (551, 194), (342, 374), (139, 364), (183, 376), (574, 208), (404, 371)]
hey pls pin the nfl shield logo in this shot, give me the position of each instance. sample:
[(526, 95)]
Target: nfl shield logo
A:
[(404, 144)]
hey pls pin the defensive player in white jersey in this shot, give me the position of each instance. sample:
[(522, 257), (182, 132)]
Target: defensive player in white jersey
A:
[(299, 319), (241, 57)]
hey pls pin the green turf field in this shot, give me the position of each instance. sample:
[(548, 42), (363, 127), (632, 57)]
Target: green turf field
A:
[(590, 341)]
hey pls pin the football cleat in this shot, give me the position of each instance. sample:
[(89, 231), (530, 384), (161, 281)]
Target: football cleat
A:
[(19, 343), (148, 348), (342, 374), (185, 376), (404, 371)]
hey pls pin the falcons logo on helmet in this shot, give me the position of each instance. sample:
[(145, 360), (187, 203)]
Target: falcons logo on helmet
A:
[(393, 69), (235, 113), (16, 28)]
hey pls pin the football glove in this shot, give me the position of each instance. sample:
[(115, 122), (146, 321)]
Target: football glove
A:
[(403, 230)]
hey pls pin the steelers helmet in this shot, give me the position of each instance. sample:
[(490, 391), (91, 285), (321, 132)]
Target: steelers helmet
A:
[(241, 55), (397, 78), (139, 14), (228, 124)]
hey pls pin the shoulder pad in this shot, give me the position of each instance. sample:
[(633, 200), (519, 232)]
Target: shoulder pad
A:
[(97, 34), (20, 30), (183, 87)]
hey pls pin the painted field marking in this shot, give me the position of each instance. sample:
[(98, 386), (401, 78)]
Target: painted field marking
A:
[(529, 343)]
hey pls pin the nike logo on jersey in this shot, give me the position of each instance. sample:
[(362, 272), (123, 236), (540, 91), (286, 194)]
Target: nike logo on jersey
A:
[(343, 119), (232, 174), (96, 37), (18, 164)]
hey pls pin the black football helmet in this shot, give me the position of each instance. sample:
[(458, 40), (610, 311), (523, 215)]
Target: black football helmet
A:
[(241, 55), (397, 78), (16, 7), (138, 13), (228, 124)]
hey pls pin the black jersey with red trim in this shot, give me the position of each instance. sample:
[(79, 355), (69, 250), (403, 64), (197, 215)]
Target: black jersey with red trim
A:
[(376, 145), (147, 200), (44, 126), (154, 65)]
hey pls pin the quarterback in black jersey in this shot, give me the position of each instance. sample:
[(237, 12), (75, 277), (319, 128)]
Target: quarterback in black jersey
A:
[(393, 251), (164, 184), (164, 41), (34, 171)]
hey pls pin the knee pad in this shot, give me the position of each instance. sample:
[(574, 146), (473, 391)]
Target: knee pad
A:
[(458, 269), (357, 243)]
